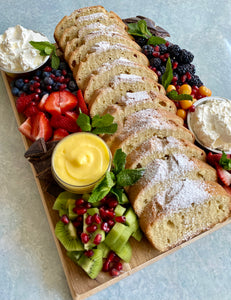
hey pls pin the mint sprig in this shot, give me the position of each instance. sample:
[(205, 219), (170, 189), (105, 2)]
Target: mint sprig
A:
[(156, 40), (116, 180), (173, 95), (46, 48), (97, 125), (225, 162), (168, 74)]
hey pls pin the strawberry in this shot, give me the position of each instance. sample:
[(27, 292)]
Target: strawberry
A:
[(25, 128), (41, 127), (59, 134), (72, 115), (224, 175), (213, 159), (228, 189), (42, 102), (81, 103), (31, 109), (64, 122), (23, 101), (67, 101), (52, 104)]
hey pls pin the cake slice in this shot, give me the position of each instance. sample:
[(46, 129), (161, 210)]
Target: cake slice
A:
[(143, 125), (156, 147), (161, 173), (118, 87), (102, 53), (184, 210), (102, 76), (91, 39)]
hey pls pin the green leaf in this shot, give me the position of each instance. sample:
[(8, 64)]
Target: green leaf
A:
[(103, 121), (156, 40), (102, 188), (118, 192), (55, 61), (129, 177), (139, 29), (48, 50), (225, 162), (168, 74), (173, 95), (42, 45), (144, 28), (106, 130), (84, 122), (119, 161)]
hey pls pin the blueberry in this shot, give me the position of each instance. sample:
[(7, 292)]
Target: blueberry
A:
[(26, 87), (72, 85), (46, 74), (48, 81), (19, 83), (38, 73), (58, 73), (31, 82), (56, 86), (62, 65), (15, 91)]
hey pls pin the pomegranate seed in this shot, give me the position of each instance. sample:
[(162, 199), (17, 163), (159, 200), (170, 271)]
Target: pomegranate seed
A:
[(84, 237), (80, 211), (49, 88), (157, 48), (175, 65), (97, 239), (154, 69), (91, 228), (62, 87), (174, 79), (36, 78), (105, 227), (113, 203), (64, 72), (177, 103), (183, 78), (106, 266), (195, 87), (65, 219), (167, 44), (47, 69), (77, 224), (36, 97), (89, 220), (156, 54), (97, 219), (120, 219), (113, 272), (36, 84), (110, 214), (166, 55), (89, 253), (102, 213), (79, 219), (192, 108), (79, 202), (116, 259), (38, 91), (52, 76), (26, 80), (158, 73), (31, 88), (87, 205), (111, 256), (104, 200), (118, 266), (111, 223), (188, 75), (61, 79), (66, 80), (177, 87)]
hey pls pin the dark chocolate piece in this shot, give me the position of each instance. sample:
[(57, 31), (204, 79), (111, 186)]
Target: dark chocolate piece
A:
[(36, 149)]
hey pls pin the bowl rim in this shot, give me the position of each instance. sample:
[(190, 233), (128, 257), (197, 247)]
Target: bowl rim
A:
[(198, 103)]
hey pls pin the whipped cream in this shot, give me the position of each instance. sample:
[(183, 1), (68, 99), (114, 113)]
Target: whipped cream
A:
[(211, 123), (16, 53)]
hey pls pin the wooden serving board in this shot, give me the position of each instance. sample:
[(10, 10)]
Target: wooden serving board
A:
[(81, 286)]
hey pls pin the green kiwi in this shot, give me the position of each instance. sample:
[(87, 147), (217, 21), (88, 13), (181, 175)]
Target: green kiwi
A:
[(124, 199), (72, 215), (126, 252), (137, 235), (61, 202), (92, 265), (74, 255), (68, 237), (119, 210), (105, 249), (118, 236), (131, 219)]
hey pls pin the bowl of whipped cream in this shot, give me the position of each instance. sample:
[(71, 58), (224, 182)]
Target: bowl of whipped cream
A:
[(211, 123), (17, 56)]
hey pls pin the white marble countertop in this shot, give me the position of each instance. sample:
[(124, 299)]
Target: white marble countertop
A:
[(30, 268)]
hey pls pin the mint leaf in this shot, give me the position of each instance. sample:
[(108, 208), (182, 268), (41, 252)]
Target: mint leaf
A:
[(42, 45), (168, 74), (55, 61), (119, 161), (106, 130), (103, 121), (48, 50), (144, 28), (84, 122), (118, 192), (156, 40), (173, 95), (225, 162), (139, 29), (102, 188), (129, 177)]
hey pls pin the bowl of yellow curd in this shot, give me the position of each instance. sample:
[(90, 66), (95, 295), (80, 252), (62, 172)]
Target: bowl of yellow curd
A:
[(79, 161)]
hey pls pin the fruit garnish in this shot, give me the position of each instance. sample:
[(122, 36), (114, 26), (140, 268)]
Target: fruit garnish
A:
[(41, 127), (64, 122), (81, 103), (59, 134), (23, 101), (213, 159), (25, 128), (223, 175)]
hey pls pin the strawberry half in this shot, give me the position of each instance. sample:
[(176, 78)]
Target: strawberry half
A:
[(52, 104), (72, 115), (81, 102), (60, 102), (213, 159), (25, 128), (41, 127), (42, 102), (64, 122), (23, 101), (59, 134), (224, 175)]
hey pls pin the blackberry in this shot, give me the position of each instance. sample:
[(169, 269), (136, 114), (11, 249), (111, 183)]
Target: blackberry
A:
[(182, 69), (174, 51), (155, 62), (147, 50), (195, 80), (163, 48), (140, 40), (162, 69), (185, 57), (192, 69)]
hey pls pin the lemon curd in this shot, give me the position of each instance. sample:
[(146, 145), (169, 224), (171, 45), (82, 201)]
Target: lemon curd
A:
[(79, 161)]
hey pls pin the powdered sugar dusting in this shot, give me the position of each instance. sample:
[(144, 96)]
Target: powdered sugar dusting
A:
[(91, 17), (104, 46), (121, 61), (134, 98), (126, 78)]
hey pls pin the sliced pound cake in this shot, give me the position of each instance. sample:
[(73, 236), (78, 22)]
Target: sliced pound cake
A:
[(184, 210), (102, 53), (96, 37), (143, 125), (118, 87), (155, 148), (161, 173), (102, 76)]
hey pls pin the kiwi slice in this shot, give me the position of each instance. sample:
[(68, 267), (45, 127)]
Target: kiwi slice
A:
[(68, 237), (105, 249), (118, 236), (74, 255), (124, 199), (137, 235), (72, 215), (119, 210), (92, 265), (61, 202), (126, 252), (131, 219)]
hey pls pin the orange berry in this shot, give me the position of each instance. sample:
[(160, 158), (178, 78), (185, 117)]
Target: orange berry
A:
[(185, 89), (170, 88), (185, 104), (204, 91), (181, 113)]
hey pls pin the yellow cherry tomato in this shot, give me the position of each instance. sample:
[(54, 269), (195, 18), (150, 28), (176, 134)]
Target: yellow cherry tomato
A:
[(181, 113), (170, 88), (185, 104), (185, 89), (204, 91)]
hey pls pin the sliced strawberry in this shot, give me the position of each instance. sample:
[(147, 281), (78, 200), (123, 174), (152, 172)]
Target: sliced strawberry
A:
[(52, 104), (67, 101), (224, 175), (25, 128), (31, 109), (23, 101), (42, 102), (72, 115), (41, 127), (213, 159), (228, 189), (81, 103), (59, 134), (64, 122)]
